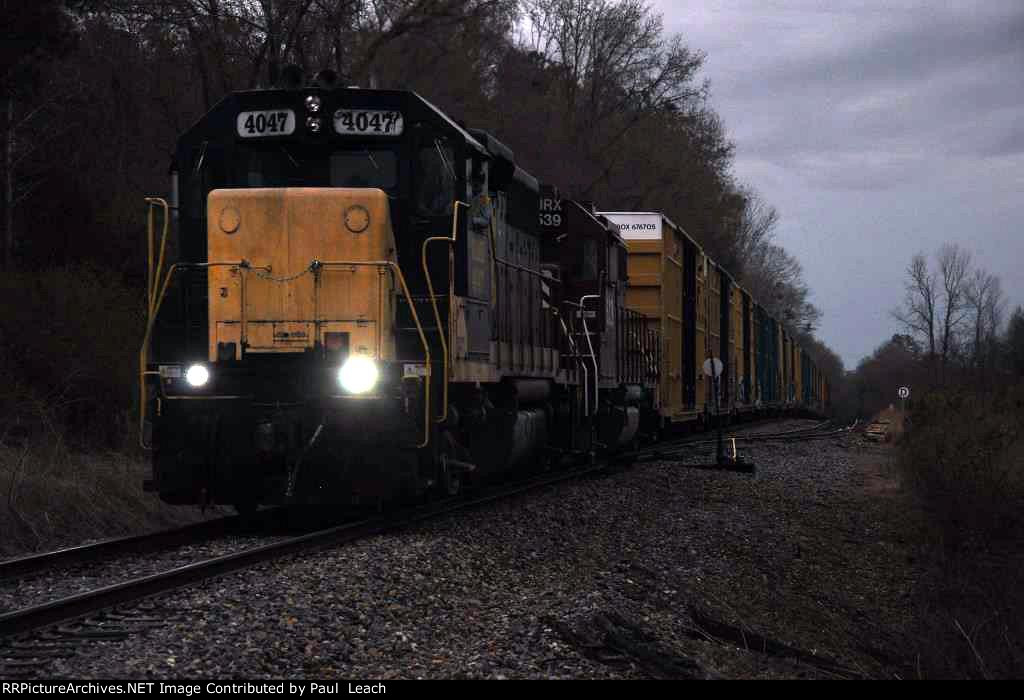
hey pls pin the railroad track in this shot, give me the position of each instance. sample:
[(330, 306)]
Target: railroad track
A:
[(122, 609), (679, 449), (32, 636), (94, 551), (820, 429), (196, 533)]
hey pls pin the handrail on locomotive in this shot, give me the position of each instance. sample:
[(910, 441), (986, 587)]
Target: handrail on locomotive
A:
[(445, 344)]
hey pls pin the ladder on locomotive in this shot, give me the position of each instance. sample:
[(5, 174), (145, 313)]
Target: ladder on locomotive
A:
[(580, 350)]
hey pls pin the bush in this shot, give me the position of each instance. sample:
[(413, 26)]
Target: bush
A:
[(964, 460), (69, 339), (965, 457)]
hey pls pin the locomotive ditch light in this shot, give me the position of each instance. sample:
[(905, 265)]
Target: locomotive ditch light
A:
[(197, 376), (358, 375)]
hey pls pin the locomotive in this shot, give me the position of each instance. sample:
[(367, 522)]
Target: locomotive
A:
[(368, 300)]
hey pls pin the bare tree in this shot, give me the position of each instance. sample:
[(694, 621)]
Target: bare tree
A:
[(260, 33), (775, 278), (615, 65), (756, 223), (937, 303), (32, 35), (919, 311), (954, 263), (983, 299)]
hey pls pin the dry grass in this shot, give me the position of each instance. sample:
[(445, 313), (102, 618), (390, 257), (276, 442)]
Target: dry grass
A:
[(51, 496)]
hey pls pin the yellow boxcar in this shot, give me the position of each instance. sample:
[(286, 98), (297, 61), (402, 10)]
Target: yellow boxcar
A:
[(655, 289)]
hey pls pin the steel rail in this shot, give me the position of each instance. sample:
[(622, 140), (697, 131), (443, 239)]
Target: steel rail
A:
[(188, 534), (79, 605), (694, 440), (789, 436), (673, 450), (36, 617)]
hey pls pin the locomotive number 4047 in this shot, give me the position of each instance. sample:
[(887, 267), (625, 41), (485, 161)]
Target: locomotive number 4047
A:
[(371, 122), (270, 122)]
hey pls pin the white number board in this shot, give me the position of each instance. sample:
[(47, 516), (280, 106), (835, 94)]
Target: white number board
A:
[(368, 121), (268, 122), (634, 226)]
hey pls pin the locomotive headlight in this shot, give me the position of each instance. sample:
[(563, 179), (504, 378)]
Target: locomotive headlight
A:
[(197, 375), (313, 124), (312, 104), (358, 375)]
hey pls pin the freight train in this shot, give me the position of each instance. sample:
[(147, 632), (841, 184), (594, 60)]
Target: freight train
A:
[(353, 298)]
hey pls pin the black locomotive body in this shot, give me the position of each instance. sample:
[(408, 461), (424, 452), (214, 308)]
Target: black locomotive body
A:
[(363, 303)]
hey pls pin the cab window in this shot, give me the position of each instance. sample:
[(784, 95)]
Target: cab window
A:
[(435, 175), (586, 267), (364, 168), (266, 169)]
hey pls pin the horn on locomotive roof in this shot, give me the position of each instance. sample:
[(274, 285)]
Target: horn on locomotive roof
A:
[(290, 78), (327, 79)]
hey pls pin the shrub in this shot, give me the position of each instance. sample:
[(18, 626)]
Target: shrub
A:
[(965, 457), (69, 339), (964, 460)]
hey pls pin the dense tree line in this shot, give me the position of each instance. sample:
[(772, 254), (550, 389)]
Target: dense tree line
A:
[(592, 95)]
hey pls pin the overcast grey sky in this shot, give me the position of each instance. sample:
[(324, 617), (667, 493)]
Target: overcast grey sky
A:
[(877, 129)]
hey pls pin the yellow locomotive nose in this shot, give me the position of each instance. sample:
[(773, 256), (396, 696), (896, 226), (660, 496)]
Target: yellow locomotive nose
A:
[(309, 275)]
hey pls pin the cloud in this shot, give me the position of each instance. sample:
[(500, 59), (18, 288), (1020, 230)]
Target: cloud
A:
[(808, 87), (878, 129)]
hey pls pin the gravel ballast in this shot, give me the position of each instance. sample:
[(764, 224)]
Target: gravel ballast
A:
[(653, 571)]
